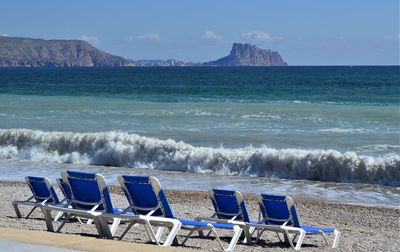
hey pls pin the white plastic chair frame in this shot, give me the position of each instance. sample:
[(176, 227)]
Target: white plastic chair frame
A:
[(247, 230), (298, 232)]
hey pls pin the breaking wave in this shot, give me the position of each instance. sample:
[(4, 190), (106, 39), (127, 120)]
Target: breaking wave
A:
[(129, 150)]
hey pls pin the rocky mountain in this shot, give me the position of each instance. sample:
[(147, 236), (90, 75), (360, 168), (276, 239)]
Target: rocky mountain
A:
[(249, 55), (28, 52)]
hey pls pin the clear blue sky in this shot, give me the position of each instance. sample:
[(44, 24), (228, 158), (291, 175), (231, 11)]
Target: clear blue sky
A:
[(306, 32)]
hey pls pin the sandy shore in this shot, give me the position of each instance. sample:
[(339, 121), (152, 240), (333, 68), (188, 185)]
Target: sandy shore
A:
[(363, 228), (71, 243)]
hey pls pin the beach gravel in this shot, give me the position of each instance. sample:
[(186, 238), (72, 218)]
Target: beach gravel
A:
[(362, 228)]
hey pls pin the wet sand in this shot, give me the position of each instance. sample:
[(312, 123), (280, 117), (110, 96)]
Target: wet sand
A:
[(362, 228)]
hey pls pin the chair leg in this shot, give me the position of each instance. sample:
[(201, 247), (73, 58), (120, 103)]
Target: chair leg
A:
[(300, 240), (236, 235), (201, 233), (286, 237), (175, 240), (172, 234), (259, 233), (159, 233), (218, 239), (63, 223), (336, 239), (280, 240), (98, 222), (115, 225), (326, 239), (294, 237), (188, 235), (48, 219), (58, 216), (208, 234), (29, 214), (247, 235), (252, 230), (16, 209), (127, 229), (150, 232)]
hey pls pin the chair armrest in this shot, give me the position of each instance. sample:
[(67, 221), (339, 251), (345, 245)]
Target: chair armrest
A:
[(239, 223), (293, 229)]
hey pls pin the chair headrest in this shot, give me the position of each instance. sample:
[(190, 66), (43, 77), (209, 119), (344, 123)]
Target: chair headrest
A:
[(81, 175), (136, 179)]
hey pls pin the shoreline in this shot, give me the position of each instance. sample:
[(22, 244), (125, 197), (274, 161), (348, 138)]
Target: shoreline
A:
[(362, 227)]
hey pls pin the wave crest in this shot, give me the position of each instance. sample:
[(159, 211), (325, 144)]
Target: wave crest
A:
[(129, 150)]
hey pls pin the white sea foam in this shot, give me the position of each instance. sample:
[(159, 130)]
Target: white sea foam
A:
[(261, 115), (130, 150), (348, 130), (381, 147)]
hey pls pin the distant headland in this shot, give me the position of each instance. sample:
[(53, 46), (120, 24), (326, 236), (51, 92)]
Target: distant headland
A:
[(29, 52), (249, 55)]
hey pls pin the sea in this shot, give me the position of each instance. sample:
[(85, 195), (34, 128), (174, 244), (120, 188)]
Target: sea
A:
[(325, 132)]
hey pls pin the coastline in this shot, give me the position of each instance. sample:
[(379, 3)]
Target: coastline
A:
[(362, 228)]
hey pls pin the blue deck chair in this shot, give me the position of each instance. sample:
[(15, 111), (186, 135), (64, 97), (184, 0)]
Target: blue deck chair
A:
[(146, 197), (230, 207), (279, 215), (42, 193), (89, 198)]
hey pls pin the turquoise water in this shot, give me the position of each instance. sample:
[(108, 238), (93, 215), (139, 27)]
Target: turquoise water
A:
[(338, 124), (359, 85)]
